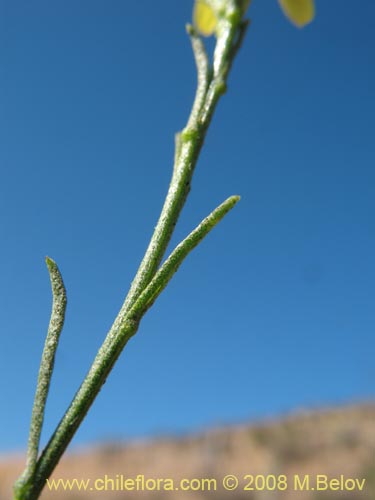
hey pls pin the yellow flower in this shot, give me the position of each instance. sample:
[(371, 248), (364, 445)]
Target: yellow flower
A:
[(208, 13), (204, 17), (299, 12)]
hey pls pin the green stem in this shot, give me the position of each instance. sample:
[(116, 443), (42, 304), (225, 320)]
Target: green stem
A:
[(175, 259), (149, 281), (188, 146), (112, 348), (45, 373)]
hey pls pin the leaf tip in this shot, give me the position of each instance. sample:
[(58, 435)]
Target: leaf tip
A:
[(50, 262)]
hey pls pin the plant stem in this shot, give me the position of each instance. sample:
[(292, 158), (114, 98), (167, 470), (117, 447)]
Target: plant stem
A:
[(45, 372), (112, 348), (149, 281)]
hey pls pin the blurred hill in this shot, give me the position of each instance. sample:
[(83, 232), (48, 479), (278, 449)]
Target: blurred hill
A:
[(336, 443)]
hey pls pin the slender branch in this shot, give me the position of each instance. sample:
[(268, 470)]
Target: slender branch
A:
[(114, 344), (189, 147), (149, 281), (225, 51), (203, 74), (211, 85), (175, 259), (45, 371)]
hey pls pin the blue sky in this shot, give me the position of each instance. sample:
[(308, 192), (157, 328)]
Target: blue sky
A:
[(275, 310)]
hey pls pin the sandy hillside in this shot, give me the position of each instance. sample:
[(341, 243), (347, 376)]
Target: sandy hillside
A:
[(337, 444)]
